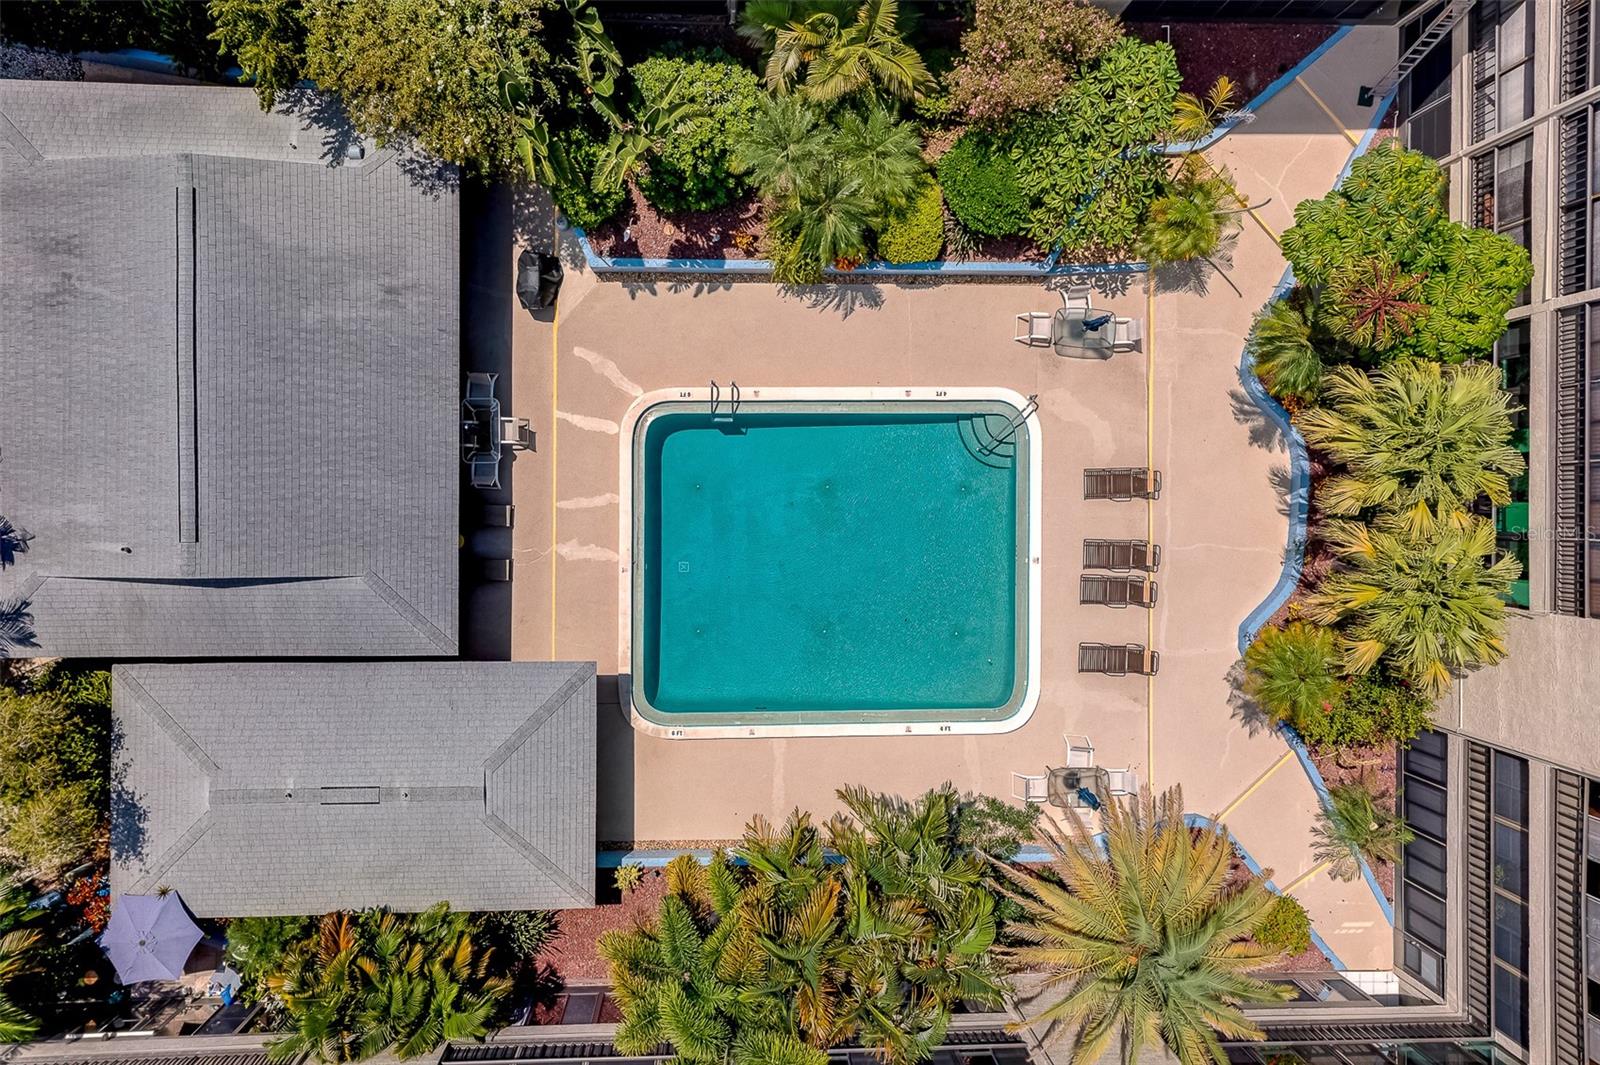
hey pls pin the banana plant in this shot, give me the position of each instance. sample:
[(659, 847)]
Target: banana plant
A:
[(599, 62), (632, 140), (540, 154)]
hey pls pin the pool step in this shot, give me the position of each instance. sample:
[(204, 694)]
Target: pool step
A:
[(979, 433)]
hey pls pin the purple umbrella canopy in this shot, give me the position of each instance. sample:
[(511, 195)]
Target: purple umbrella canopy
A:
[(149, 937)]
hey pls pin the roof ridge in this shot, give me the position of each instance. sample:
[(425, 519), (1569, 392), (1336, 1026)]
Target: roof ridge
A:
[(18, 139), (541, 714), (191, 836), (404, 607), (158, 713), (536, 857)]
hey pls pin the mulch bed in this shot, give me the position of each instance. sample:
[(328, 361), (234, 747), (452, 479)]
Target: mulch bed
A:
[(1378, 767), (572, 953), (1253, 54), (641, 231)]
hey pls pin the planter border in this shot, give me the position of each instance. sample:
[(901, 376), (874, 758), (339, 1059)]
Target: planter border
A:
[(1299, 511)]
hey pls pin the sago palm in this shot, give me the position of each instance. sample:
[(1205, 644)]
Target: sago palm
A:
[(785, 144), (1144, 938), (1356, 825), (1421, 440), (1282, 353), (1426, 604), (1293, 671)]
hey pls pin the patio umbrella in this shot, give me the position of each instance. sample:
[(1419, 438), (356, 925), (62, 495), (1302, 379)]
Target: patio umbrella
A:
[(149, 937)]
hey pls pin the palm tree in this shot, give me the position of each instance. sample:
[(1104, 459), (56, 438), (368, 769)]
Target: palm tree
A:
[(1421, 440), (1374, 304), (1190, 221), (1355, 825), (1293, 672), (843, 47), (1427, 604), (785, 145), (1195, 116), (1145, 938), (828, 215), (16, 1024), (1281, 351), (883, 155)]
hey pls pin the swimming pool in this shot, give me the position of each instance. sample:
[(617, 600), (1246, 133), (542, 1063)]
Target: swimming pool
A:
[(828, 563)]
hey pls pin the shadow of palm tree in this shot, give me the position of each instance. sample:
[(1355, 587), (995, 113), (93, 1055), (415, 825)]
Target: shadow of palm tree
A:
[(16, 627), (844, 300), (13, 542), (1265, 432), (1245, 710)]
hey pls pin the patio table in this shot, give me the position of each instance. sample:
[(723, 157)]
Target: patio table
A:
[(1080, 329)]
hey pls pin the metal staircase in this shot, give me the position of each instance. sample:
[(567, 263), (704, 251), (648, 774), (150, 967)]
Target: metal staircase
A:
[(1011, 427), (1436, 32)]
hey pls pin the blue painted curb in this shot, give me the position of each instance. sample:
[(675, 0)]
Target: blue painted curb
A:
[(1201, 821), (1299, 510)]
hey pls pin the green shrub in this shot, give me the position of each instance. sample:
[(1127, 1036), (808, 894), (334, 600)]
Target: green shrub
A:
[(1020, 55), (791, 263), (258, 945), (1082, 165), (1287, 928), (586, 200), (520, 935), (1397, 711), (915, 234), (994, 826), (55, 754), (689, 170), (980, 183)]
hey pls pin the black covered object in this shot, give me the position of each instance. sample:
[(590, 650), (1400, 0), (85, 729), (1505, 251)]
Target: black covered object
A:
[(538, 280)]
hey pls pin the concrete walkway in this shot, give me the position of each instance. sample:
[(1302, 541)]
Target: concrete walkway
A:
[(1177, 405)]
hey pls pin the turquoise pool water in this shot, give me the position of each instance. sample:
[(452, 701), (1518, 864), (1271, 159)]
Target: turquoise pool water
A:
[(829, 564)]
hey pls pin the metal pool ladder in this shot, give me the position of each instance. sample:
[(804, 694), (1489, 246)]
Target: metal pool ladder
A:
[(719, 414), (1011, 427)]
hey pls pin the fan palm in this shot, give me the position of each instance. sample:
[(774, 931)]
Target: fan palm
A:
[(16, 1024), (1421, 440), (1426, 604), (842, 47), (1145, 938), (1293, 671), (828, 215), (883, 155), (786, 143), (1353, 826), (1281, 351)]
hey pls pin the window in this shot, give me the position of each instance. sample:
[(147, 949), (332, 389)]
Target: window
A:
[(1502, 192), (1511, 520), (1508, 893), (1576, 540), (1577, 47), (1502, 65), (1424, 98), (1424, 881)]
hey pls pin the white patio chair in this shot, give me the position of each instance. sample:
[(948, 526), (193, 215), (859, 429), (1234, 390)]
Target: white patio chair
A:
[(1122, 781), (1076, 296), (1033, 328), (1080, 752), (1030, 788), (1126, 333)]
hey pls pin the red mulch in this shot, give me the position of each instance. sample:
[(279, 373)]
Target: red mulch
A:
[(1309, 960), (1378, 766), (1253, 54), (639, 230), (572, 954)]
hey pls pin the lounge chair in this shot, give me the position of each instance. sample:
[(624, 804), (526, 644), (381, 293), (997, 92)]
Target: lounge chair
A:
[(1122, 782), (1080, 752), (1117, 659), (485, 471), (1028, 787), (481, 385), (497, 569), (500, 516), (1121, 483), (1076, 296), (1126, 333), (1033, 328), (1098, 589), (1121, 555)]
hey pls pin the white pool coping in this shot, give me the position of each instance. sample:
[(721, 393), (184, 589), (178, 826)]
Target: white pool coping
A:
[(625, 540)]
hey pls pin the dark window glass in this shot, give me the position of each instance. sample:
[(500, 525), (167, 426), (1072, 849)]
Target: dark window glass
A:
[(1424, 917), (1511, 1005), (1425, 808), (1591, 878), (1424, 964), (1511, 860), (1426, 757), (1510, 931), (1424, 862), (1510, 788)]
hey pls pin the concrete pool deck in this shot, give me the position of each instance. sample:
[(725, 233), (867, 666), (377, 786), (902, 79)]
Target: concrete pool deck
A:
[(1176, 405)]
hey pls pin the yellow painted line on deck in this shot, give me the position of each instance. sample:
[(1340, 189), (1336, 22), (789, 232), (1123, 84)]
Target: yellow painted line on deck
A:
[(555, 434), (1150, 513), (1303, 877), (1246, 793), (1337, 121)]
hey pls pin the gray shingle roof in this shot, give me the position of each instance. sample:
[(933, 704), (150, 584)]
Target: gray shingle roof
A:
[(229, 419), (287, 788)]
